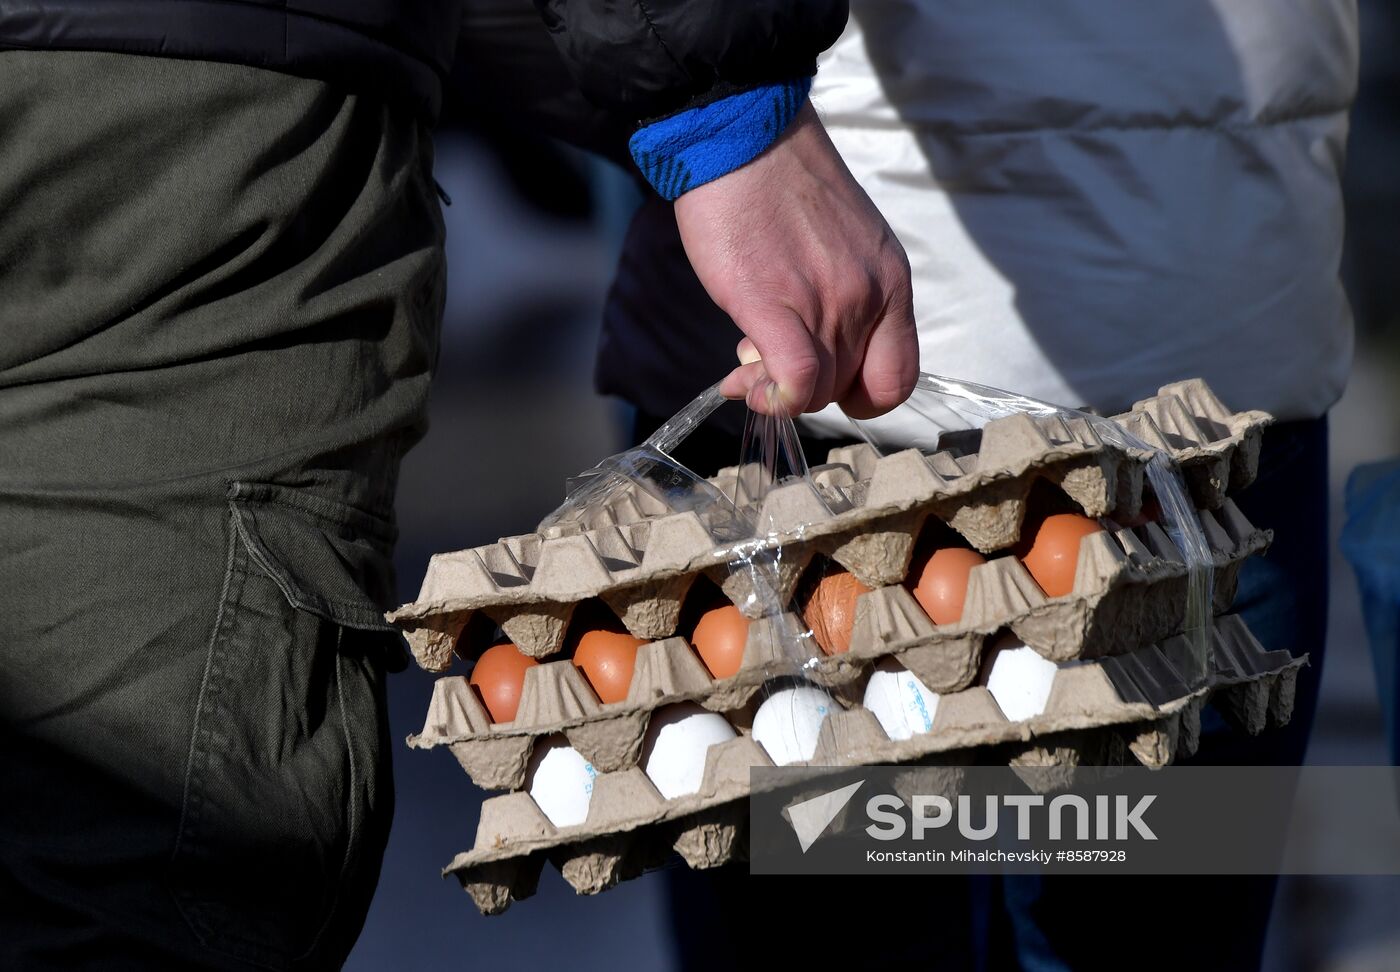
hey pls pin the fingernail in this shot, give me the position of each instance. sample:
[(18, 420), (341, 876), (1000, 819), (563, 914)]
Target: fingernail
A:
[(790, 405), (764, 396), (748, 354)]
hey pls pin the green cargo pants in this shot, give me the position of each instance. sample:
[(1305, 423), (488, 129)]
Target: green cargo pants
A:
[(220, 294)]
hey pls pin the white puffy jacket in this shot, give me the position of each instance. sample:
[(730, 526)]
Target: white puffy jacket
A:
[(1097, 196)]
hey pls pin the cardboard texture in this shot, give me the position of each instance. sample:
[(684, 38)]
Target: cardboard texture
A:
[(1111, 701), (1130, 591), (1139, 705), (865, 511)]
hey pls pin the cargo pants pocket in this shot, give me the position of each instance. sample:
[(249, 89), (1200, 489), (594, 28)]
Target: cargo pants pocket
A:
[(287, 794)]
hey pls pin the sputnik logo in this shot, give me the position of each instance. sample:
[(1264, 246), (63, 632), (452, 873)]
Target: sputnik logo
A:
[(810, 818)]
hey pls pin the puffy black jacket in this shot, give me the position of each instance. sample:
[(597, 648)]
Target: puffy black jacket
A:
[(645, 58), (641, 58)]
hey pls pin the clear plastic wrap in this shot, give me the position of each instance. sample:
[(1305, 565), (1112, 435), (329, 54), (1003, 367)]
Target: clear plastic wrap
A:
[(943, 417), (1106, 658)]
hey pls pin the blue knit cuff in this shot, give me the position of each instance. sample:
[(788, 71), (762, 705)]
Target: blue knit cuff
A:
[(697, 146)]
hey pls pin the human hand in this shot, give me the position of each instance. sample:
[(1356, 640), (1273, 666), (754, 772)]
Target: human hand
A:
[(795, 252)]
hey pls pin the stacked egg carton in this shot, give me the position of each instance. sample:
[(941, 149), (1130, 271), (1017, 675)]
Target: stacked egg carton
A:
[(865, 512), (630, 827)]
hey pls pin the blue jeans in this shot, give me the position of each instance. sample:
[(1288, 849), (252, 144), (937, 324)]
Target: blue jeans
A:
[(1371, 543)]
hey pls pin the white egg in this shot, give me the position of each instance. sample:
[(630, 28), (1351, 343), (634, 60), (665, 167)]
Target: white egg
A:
[(560, 781), (787, 724), (1020, 680), (673, 756), (903, 704)]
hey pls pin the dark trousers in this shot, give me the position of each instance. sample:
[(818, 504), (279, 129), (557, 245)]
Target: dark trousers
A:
[(220, 292), (1051, 924)]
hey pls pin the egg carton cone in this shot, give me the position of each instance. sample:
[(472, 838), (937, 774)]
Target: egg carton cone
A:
[(1052, 761), (640, 556), (1131, 590), (1143, 706), (1217, 449)]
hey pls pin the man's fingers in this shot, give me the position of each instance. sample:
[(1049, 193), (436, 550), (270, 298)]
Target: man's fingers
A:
[(765, 398), (790, 357), (737, 383), (751, 383), (890, 368)]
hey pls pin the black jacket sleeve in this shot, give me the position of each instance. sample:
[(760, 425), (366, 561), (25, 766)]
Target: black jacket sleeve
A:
[(649, 58)]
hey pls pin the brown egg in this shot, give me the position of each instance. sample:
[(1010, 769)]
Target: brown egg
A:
[(939, 582), (499, 676), (1054, 552), (719, 638), (607, 658), (830, 611)]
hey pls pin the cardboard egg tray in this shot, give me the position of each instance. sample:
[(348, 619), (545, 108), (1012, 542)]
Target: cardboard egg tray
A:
[(1216, 449), (1145, 704), (1130, 590), (640, 556)]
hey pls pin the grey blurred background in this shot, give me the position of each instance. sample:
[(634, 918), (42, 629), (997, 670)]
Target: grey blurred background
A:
[(532, 235)]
